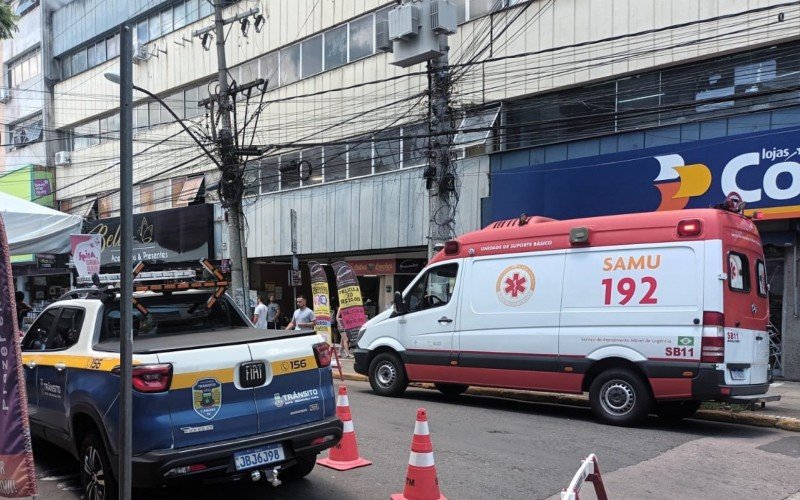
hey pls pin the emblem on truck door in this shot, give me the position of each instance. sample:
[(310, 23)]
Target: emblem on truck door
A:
[(515, 285), (207, 397)]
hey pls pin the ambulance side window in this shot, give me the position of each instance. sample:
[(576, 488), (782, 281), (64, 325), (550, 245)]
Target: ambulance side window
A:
[(738, 272), (435, 289), (761, 276)]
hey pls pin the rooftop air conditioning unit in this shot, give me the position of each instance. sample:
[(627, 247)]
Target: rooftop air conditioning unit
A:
[(382, 40), (443, 17), (5, 94), (63, 158), (140, 54), (403, 22)]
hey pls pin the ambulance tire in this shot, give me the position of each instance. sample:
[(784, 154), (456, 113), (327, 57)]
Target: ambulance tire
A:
[(451, 390), (387, 375), (620, 397), (675, 411), (301, 469), (97, 477)]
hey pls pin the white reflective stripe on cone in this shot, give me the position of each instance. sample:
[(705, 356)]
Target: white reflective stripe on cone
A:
[(342, 401), (421, 459), (348, 426), (421, 428)]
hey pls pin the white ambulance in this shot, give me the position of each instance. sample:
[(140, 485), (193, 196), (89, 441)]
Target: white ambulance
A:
[(650, 312)]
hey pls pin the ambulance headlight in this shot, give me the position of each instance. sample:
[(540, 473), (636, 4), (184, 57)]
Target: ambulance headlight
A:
[(361, 333)]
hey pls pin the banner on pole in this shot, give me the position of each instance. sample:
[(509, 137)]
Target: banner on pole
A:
[(350, 302), (17, 473), (321, 300), (87, 253)]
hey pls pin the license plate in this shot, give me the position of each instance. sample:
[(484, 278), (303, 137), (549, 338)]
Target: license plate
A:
[(261, 456), (253, 374), (737, 374)]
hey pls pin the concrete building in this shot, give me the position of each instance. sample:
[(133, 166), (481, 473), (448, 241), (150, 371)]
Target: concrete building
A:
[(540, 82)]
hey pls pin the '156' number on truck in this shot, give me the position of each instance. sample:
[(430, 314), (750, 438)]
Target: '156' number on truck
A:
[(626, 289)]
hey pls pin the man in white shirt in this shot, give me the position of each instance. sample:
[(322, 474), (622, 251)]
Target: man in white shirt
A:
[(303, 317), (260, 314)]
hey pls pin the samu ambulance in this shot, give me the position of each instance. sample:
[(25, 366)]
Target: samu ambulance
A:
[(651, 312)]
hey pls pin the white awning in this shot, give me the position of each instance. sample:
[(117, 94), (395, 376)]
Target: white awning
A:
[(189, 191), (32, 228), (475, 129)]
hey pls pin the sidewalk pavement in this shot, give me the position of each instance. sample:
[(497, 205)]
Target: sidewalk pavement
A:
[(783, 414)]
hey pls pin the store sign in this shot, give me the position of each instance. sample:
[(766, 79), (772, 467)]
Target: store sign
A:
[(763, 167), (45, 261), (42, 187), (86, 250), (175, 235), (410, 266), (374, 266)]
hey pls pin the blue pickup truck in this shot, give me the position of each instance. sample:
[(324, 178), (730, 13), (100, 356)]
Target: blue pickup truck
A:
[(213, 397)]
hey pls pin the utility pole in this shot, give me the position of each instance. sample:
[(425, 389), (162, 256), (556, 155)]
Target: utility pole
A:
[(231, 186)]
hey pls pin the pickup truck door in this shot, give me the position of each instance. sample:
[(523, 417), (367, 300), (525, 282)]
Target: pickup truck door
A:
[(32, 346), (53, 370)]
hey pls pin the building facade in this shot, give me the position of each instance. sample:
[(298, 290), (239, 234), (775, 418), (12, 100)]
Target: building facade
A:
[(534, 84)]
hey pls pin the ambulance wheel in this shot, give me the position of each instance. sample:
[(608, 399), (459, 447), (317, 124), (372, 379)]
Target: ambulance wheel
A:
[(620, 397), (673, 411), (97, 477), (387, 375), (451, 390), (301, 469)]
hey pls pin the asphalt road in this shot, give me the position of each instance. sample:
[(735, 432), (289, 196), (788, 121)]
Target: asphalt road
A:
[(494, 448)]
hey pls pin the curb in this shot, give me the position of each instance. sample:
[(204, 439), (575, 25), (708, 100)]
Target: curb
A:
[(752, 419)]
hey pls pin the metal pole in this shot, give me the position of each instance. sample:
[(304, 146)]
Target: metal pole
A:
[(231, 182), (126, 260), (441, 130)]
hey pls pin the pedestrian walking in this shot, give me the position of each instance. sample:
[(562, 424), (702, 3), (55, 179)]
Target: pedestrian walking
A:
[(303, 317), (273, 313), (22, 308), (260, 314)]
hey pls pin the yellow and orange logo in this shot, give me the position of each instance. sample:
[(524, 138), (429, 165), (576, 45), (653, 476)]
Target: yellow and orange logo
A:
[(679, 182)]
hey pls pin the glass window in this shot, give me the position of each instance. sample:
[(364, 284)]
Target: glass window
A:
[(190, 100), (738, 272), (179, 15), (335, 163), (252, 171), (461, 10), (290, 170), (435, 289), (478, 8), (155, 26), (761, 274), (362, 37), (140, 118), (100, 47), (91, 56), (39, 332), (142, 33), (113, 126), (192, 11), (103, 129), (336, 47), (166, 21), (67, 329), (112, 47), (311, 168), (206, 9), (154, 113), (79, 61), (635, 94), (312, 56), (269, 174), (269, 69), (66, 68), (290, 64), (175, 103), (387, 150), (248, 73), (360, 158), (414, 145)]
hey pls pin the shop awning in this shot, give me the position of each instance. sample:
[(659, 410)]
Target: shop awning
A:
[(32, 228), (475, 129), (189, 191), (83, 208)]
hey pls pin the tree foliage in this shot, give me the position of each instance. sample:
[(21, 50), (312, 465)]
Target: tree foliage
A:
[(8, 21)]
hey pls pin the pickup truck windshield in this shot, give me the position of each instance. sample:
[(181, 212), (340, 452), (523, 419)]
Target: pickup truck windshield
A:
[(173, 315)]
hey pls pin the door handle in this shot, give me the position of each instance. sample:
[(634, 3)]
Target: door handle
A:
[(60, 366), (759, 337), (31, 364), (445, 320)]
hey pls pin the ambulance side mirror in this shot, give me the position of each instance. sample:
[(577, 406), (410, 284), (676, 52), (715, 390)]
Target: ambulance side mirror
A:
[(399, 304)]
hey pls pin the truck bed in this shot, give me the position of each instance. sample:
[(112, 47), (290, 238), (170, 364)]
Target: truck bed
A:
[(188, 341)]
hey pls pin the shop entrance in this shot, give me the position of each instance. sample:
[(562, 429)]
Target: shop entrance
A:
[(775, 257), (370, 290)]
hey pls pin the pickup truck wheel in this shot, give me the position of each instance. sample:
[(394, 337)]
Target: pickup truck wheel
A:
[(674, 411), (97, 477), (301, 469), (620, 397), (451, 390), (387, 376)]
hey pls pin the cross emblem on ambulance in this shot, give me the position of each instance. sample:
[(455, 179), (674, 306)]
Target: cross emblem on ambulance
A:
[(515, 285)]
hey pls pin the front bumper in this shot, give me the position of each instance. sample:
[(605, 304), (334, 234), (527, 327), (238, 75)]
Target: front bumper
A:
[(150, 469), (361, 364)]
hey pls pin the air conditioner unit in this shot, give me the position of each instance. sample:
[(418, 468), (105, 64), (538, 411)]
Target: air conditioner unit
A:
[(403, 22), (140, 53), (443, 17), (5, 94), (382, 41), (63, 158)]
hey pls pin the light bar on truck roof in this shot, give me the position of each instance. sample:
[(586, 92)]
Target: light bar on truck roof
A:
[(112, 278)]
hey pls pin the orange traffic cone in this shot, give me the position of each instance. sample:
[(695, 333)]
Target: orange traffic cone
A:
[(421, 480), (344, 456)]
